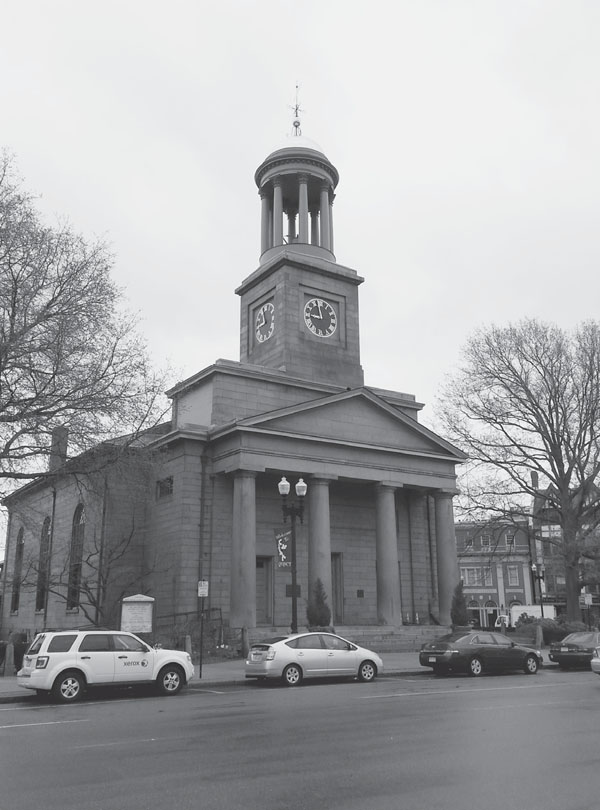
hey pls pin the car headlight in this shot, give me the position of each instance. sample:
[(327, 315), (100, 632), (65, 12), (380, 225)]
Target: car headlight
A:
[(42, 661)]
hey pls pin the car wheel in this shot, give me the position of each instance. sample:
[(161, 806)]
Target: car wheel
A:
[(531, 665), (170, 680), (292, 675), (367, 671), (68, 687), (475, 667)]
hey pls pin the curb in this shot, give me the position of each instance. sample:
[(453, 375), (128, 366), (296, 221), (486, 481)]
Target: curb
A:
[(27, 696)]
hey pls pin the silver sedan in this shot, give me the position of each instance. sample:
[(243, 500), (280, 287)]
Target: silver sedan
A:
[(311, 655)]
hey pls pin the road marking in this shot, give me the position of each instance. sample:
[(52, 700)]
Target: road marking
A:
[(458, 690), (211, 691), (48, 723), (125, 742)]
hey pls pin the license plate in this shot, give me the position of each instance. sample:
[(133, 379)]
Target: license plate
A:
[(564, 649), (432, 659), (256, 656)]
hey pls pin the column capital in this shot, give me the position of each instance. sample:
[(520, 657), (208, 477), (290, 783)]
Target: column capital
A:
[(245, 473), (445, 493), (388, 485)]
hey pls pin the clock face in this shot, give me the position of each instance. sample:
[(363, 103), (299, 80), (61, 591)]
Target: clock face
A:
[(264, 324), (320, 317)]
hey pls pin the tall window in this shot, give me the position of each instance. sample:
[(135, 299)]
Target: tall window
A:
[(513, 575), (18, 572), (43, 567), (75, 557), (471, 576)]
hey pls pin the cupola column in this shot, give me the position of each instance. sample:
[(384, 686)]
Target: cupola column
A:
[(325, 219), (265, 212), (303, 210), (291, 218), (314, 226), (331, 196), (277, 213)]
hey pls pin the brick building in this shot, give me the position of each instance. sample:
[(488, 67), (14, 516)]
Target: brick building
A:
[(378, 527), (495, 566)]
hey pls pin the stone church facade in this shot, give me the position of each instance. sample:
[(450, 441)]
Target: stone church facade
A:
[(378, 528)]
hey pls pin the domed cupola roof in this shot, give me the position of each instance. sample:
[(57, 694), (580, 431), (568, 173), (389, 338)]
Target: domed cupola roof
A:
[(298, 142)]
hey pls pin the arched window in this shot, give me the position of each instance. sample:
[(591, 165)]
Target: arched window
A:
[(43, 567), (75, 557), (18, 572)]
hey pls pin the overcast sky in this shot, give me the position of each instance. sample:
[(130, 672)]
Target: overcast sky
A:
[(466, 134)]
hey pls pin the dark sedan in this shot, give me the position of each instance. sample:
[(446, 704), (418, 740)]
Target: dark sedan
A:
[(478, 652), (575, 650)]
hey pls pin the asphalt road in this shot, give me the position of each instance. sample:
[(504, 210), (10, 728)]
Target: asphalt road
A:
[(406, 743)]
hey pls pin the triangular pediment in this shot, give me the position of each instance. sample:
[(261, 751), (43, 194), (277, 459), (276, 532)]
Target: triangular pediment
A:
[(356, 417)]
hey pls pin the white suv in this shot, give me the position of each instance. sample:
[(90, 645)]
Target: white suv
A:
[(66, 663)]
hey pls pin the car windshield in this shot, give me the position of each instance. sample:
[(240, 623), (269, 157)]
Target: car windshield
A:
[(451, 638), (460, 638), (36, 645), (585, 639)]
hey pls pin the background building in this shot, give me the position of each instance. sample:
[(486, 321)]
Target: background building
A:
[(495, 567)]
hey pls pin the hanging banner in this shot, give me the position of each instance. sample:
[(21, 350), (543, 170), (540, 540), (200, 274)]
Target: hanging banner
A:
[(284, 548)]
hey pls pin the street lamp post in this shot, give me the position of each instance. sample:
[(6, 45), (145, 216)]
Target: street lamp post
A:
[(293, 511), (539, 574)]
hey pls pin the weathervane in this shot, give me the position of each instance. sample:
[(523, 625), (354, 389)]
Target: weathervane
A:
[(297, 110)]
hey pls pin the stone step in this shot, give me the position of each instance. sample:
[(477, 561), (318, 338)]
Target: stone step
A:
[(405, 638)]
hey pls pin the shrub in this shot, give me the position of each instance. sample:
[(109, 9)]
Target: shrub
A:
[(458, 612), (318, 613), (555, 630)]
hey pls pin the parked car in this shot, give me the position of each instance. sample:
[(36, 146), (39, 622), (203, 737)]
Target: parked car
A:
[(575, 650), (478, 652), (595, 662), (311, 655), (64, 664)]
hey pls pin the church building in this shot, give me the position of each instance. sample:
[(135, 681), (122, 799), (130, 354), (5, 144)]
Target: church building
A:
[(377, 527)]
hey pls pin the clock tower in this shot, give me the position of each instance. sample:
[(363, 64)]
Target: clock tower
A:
[(299, 309)]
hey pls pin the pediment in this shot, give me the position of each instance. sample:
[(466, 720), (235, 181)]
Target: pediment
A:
[(357, 417)]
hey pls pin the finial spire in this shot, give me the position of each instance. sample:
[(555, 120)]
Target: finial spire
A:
[(297, 110)]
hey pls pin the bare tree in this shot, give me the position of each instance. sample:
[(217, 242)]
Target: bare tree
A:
[(69, 356), (525, 400)]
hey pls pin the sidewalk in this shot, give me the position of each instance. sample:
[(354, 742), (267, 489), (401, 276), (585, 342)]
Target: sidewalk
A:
[(232, 672)]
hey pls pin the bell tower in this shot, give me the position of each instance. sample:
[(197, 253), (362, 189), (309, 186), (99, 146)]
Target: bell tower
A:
[(299, 309)]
